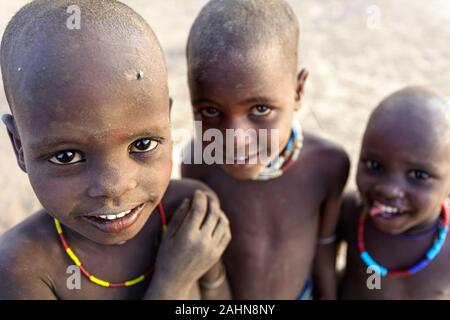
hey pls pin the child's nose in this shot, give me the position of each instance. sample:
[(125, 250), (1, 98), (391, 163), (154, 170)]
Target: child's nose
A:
[(242, 132), (112, 183), (389, 190)]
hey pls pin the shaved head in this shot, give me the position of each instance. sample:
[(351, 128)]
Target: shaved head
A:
[(424, 109), (39, 52), (243, 31)]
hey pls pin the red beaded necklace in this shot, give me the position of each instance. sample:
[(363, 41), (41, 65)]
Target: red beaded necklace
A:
[(431, 253)]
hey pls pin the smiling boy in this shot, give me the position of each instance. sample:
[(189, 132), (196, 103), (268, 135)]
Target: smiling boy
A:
[(243, 74), (90, 126), (399, 225)]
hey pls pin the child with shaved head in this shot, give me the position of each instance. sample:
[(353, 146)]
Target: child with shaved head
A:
[(396, 230), (90, 126), (283, 209)]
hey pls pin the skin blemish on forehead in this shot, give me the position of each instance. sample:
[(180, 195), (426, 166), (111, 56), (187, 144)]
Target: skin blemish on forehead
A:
[(136, 74)]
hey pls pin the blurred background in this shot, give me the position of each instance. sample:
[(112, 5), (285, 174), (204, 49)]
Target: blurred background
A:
[(357, 52)]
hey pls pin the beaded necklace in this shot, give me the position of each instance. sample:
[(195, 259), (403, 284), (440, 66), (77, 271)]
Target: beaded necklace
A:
[(431, 253), (286, 158), (93, 278)]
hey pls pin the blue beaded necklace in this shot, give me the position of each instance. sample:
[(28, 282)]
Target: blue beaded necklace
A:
[(429, 255)]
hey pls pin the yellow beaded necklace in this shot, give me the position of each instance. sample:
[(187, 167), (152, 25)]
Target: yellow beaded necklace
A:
[(93, 278)]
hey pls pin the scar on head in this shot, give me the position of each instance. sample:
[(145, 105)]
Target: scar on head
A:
[(140, 75)]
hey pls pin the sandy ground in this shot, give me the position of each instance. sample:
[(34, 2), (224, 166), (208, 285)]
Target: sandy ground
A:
[(357, 52)]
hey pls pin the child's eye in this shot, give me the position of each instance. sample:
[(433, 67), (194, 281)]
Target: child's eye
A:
[(419, 175), (66, 157), (144, 145), (373, 165), (260, 111), (210, 112)]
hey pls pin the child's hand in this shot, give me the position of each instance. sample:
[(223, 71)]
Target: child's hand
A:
[(195, 240)]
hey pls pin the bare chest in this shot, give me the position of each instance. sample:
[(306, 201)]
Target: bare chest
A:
[(274, 227)]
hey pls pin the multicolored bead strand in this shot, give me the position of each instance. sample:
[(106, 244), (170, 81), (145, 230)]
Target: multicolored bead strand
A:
[(429, 255), (93, 278), (286, 158)]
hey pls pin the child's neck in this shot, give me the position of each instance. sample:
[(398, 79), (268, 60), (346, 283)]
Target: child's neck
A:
[(289, 154)]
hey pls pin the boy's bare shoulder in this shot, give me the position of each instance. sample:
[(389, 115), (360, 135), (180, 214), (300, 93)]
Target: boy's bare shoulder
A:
[(35, 234), (178, 190), (315, 144), (26, 253), (331, 157)]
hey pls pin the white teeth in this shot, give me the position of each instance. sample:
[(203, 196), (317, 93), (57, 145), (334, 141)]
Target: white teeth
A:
[(113, 216), (386, 208)]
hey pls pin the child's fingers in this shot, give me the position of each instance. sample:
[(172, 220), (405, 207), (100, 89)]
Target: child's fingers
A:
[(224, 241), (212, 218), (198, 210), (178, 217), (221, 227)]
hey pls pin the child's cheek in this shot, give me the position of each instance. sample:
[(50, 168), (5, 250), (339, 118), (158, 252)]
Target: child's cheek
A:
[(427, 201), (363, 183), (155, 176), (59, 195)]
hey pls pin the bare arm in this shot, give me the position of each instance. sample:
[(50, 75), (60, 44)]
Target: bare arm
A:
[(324, 269), (214, 284)]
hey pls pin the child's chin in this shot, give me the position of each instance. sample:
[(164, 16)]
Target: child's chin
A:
[(392, 226), (113, 239), (243, 171)]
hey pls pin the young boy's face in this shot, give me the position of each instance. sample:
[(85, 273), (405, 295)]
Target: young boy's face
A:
[(244, 93), (403, 174), (99, 145)]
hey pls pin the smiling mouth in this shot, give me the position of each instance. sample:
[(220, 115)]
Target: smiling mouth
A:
[(384, 211), (115, 223)]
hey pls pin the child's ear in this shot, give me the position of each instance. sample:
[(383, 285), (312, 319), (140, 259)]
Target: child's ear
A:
[(13, 134), (300, 89)]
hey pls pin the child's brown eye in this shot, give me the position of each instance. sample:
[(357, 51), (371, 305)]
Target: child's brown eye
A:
[(144, 145), (210, 112), (66, 157), (373, 165), (260, 111), (419, 175)]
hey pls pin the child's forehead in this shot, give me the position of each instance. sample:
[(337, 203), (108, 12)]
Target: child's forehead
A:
[(240, 67), (418, 125), (89, 74), (43, 59)]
